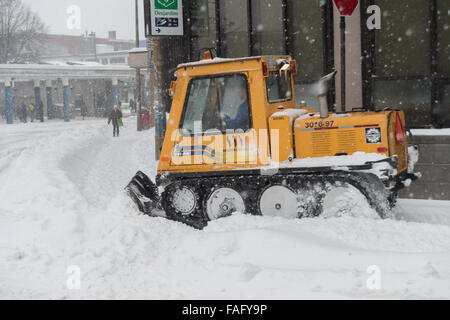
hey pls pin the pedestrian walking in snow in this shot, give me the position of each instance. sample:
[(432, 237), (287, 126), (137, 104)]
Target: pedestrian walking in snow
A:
[(24, 112), (32, 111), (116, 118), (83, 111)]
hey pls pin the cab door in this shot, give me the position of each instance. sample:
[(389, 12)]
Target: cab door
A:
[(216, 125)]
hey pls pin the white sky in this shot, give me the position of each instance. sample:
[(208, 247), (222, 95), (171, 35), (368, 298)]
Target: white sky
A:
[(100, 16)]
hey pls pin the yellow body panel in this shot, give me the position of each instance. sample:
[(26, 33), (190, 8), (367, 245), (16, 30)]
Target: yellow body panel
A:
[(346, 134), (308, 136), (281, 137)]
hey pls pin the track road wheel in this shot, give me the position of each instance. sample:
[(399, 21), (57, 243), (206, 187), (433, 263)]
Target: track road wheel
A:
[(223, 202), (279, 201), (183, 203), (344, 199)]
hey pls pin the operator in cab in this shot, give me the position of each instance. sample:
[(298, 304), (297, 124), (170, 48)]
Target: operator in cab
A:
[(241, 121)]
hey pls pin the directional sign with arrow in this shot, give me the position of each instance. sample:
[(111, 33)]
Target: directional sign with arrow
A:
[(164, 17)]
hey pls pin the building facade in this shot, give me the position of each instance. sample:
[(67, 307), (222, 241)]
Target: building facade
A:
[(404, 64)]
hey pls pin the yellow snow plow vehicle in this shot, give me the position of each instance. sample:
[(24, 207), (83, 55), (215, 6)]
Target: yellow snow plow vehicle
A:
[(237, 142)]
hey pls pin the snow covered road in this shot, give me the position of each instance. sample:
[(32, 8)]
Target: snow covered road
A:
[(62, 204)]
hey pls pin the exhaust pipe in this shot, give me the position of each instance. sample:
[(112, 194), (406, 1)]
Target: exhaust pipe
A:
[(324, 87)]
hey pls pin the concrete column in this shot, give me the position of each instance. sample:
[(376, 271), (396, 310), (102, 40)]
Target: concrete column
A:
[(49, 92), (353, 60), (9, 101), (66, 96), (115, 91), (38, 110)]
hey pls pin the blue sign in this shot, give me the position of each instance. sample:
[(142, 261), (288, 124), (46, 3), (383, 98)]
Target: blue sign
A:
[(166, 22)]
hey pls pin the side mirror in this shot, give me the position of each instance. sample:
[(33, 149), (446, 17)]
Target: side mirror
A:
[(173, 86)]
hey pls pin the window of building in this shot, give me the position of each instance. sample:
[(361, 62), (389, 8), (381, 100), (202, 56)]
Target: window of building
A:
[(117, 60), (307, 38), (234, 25), (401, 60), (268, 27), (203, 25), (443, 37), (403, 43), (217, 103)]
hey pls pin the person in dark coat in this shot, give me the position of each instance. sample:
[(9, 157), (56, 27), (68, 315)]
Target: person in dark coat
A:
[(242, 120), (114, 116), (24, 112), (83, 110)]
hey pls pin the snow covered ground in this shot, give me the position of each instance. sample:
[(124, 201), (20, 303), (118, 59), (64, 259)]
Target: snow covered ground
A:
[(62, 204)]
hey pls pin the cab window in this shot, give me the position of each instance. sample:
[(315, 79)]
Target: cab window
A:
[(216, 104), (279, 86)]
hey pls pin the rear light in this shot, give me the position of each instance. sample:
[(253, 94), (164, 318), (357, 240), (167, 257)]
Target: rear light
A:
[(165, 159), (382, 150), (207, 55), (265, 67), (173, 86), (400, 136), (294, 69)]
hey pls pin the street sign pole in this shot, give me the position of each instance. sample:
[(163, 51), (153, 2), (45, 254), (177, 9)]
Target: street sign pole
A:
[(345, 8), (162, 18), (138, 74), (343, 61)]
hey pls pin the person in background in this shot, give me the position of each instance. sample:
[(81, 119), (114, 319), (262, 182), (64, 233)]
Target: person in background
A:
[(32, 112), (83, 110), (24, 112), (242, 120), (18, 114), (114, 117), (132, 106)]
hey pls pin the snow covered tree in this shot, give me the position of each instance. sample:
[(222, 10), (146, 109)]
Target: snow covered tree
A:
[(20, 32)]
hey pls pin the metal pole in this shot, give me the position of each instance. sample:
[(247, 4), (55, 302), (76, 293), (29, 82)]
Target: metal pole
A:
[(156, 90), (49, 99), (138, 73), (9, 101), (343, 79), (66, 98)]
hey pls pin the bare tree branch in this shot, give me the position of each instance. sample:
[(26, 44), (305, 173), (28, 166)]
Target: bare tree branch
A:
[(20, 33)]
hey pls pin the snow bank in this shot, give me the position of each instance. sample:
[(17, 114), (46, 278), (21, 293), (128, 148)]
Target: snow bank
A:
[(62, 204), (430, 132)]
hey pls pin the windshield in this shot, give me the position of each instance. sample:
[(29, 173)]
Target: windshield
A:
[(279, 87), (219, 103)]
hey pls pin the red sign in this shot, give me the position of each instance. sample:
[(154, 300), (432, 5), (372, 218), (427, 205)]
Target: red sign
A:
[(346, 7)]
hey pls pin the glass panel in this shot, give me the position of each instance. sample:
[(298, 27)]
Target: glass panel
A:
[(308, 37), (219, 103), (441, 110), (402, 46), (443, 36), (203, 25), (234, 25), (413, 96), (279, 87), (268, 27)]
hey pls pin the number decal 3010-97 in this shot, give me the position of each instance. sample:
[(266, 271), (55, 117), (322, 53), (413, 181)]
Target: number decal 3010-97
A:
[(318, 124)]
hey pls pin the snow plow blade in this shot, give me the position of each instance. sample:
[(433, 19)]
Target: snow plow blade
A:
[(144, 193)]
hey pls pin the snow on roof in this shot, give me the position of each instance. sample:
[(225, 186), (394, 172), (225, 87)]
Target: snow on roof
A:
[(84, 63), (138, 50)]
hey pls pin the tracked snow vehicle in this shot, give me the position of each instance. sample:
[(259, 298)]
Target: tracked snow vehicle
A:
[(237, 142)]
